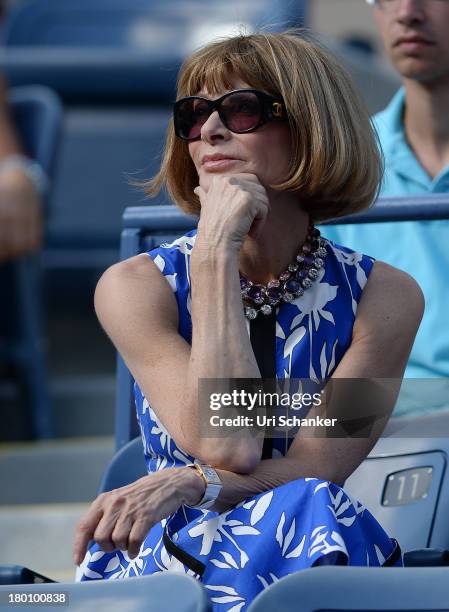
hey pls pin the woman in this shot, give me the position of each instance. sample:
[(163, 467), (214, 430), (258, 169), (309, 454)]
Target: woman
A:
[(268, 138)]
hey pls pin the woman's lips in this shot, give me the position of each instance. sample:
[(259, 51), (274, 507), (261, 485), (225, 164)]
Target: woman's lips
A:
[(219, 164)]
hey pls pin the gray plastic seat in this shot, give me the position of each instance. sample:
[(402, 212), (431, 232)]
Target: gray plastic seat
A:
[(403, 481), (362, 589), (127, 465), (164, 591)]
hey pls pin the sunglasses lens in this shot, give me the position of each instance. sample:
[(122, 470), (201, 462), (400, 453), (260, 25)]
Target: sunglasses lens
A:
[(242, 111), (190, 116)]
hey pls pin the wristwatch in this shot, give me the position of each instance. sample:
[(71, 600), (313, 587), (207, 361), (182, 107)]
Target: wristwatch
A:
[(30, 167), (213, 484)]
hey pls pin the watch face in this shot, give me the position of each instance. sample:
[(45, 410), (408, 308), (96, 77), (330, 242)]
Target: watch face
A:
[(211, 474)]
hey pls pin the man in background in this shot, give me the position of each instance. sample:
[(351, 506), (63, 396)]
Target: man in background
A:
[(414, 136)]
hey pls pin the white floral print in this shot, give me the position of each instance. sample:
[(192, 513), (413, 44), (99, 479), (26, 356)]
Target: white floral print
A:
[(298, 525)]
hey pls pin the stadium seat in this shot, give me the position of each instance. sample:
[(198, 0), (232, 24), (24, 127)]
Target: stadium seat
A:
[(38, 116), (115, 65), (162, 591), (404, 481), (117, 106), (138, 23), (127, 465), (361, 589)]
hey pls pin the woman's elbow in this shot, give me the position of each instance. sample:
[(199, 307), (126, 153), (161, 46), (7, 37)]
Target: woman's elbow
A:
[(242, 460)]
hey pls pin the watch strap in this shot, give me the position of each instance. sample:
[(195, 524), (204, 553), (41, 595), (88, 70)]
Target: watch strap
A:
[(212, 490)]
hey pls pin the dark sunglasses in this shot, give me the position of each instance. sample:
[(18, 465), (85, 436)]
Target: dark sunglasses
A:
[(242, 110)]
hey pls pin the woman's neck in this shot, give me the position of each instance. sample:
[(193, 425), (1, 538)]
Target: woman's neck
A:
[(264, 258)]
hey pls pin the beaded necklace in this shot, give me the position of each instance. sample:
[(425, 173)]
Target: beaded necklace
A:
[(292, 283)]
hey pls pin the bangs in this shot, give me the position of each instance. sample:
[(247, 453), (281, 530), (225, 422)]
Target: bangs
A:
[(217, 67)]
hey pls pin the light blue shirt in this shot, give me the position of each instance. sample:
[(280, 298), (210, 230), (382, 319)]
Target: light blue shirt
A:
[(421, 248)]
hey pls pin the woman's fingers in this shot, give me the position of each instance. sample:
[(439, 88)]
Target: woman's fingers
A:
[(258, 222), (85, 532), (104, 530), (112, 525), (121, 519), (199, 191), (120, 535), (246, 176), (233, 207), (137, 535)]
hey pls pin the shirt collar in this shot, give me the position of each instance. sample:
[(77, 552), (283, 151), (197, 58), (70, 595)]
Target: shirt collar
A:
[(398, 152)]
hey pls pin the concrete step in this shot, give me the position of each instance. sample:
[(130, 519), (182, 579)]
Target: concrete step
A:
[(55, 471), (40, 537), (82, 405)]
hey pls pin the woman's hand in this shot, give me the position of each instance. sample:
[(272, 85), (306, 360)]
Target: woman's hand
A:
[(120, 519), (233, 207)]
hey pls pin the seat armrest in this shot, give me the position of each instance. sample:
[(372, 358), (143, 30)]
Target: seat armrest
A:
[(17, 574), (426, 557)]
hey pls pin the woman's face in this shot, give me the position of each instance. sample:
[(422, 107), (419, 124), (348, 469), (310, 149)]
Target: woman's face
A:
[(266, 152)]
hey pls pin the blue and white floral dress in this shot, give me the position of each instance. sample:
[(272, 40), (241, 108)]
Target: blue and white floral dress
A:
[(301, 524)]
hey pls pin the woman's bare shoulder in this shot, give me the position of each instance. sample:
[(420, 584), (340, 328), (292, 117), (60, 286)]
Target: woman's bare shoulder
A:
[(135, 285), (391, 302), (141, 267), (138, 272)]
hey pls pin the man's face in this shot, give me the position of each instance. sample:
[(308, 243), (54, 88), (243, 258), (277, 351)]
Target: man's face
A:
[(415, 34)]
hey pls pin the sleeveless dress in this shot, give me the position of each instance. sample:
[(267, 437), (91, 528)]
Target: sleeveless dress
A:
[(301, 524)]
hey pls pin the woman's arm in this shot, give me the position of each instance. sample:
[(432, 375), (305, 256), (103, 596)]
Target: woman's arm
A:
[(21, 216), (9, 142), (388, 317), (138, 310)]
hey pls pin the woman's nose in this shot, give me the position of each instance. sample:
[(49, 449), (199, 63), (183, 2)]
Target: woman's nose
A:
[(214, 128)]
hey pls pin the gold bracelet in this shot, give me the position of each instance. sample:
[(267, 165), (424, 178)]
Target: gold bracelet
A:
[(200, 471)]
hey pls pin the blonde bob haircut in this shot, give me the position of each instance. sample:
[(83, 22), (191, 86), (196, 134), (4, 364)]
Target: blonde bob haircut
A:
[(336, 166)]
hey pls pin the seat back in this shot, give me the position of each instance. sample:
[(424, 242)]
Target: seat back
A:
[(37, 113), (153, 593), (126, 466), (361, 589), (115, 65), (139, 23), (404, 481)]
